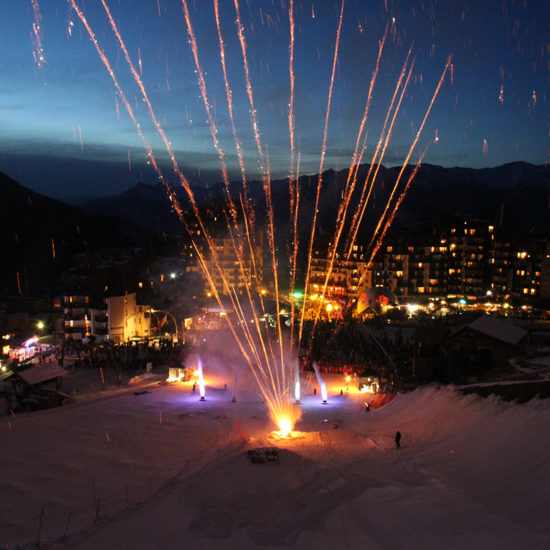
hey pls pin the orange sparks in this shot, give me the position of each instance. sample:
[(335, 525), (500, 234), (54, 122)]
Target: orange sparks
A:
[(377, 158), (38, 50), (411, 149), (321, 164), (229, 97)]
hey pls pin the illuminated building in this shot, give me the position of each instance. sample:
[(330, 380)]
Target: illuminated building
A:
[(228, 262), (343, 282), (463, 259), (127, 319)]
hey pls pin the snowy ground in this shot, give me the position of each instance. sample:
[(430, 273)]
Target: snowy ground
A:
[(165, 470)]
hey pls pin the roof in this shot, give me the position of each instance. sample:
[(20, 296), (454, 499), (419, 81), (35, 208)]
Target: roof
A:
[(35, 375), (498, 329)]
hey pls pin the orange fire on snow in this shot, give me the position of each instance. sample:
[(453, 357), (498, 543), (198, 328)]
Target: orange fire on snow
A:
[(285, 426), (285, 418)]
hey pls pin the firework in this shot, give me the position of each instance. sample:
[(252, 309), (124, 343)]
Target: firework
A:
[(271, 357)]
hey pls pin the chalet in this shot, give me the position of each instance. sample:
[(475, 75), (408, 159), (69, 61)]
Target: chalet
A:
[(487, 342)]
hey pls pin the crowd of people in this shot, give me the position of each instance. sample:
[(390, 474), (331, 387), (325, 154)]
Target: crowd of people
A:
[(128, 356), (355, 347)]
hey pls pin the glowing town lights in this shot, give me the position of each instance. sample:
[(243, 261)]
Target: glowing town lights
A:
[(40, 325), (329, 308)]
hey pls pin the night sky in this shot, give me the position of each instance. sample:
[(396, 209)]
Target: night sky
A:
[(64, 130)]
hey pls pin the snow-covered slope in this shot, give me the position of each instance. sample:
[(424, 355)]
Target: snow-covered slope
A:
[(165, 470)]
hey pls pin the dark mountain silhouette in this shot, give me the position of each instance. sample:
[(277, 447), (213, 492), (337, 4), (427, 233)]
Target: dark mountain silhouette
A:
[(515, 193), (40, 236)]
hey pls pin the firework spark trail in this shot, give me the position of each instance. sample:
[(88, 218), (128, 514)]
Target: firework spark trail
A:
[(266, 176), (38, 50), (254, 118), (293, 185), (170, 191), (231, 326), (388, 135), (271, 241), (291, 121), (221, 155), (241, 317), (183, 180), (351, 179), (294, 252), (411, 149), (390, 219), (267, 371), (229, 96), (320, 180), (211, 121), (356, 159), (247, 207), (247, 227), (161, 132), (377, 159)]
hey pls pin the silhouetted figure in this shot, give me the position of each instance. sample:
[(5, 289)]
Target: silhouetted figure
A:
[(314, 391), (367, 407), (194, 387), (398, 440)]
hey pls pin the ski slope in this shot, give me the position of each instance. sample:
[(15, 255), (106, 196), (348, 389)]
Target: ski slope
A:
[(162, 469)]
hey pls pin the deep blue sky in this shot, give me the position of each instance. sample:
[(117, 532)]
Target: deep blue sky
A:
[(494, 109)]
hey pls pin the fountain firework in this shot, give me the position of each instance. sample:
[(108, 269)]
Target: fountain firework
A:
[(268, 351), (202, 391)]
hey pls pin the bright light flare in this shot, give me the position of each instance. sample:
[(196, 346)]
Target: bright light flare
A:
[(285, 416), (201, 379), (285, 426), (297, 391), (324, 393)]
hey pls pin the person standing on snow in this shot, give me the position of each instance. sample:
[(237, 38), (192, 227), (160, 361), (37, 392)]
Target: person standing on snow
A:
[(398, 440)]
